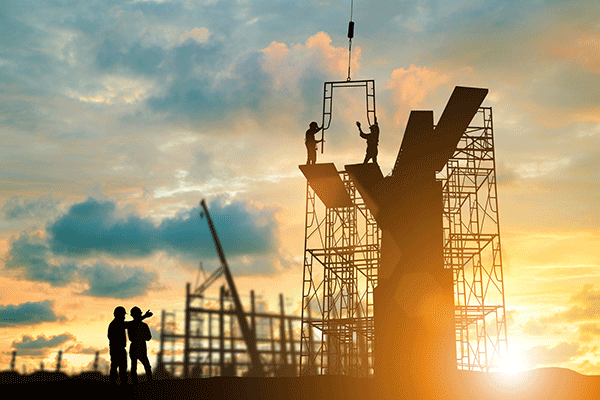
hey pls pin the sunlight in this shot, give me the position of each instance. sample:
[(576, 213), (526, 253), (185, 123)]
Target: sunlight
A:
[(511, 363), (511, 372)]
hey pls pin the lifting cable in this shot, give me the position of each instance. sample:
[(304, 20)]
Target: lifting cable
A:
[(350, 36)]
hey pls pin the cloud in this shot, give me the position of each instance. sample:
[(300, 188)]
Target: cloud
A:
[(535, 328), (587, 306), (208, 94), (545, 355), (18, 208), (32, 313), (586, 312), (588, 331), (137, 58), (41, 345), (200, 35), (212, 85), (541, 167), (588, 297), (411, 86), (79, 348), (584, 49), (94, 227), (588, 367), (564, 87), (79, 244), (120, 282), (334, 59), (32, 256)]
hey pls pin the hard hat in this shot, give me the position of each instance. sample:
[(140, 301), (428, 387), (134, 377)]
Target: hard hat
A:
[(119, 311), (135, 311)]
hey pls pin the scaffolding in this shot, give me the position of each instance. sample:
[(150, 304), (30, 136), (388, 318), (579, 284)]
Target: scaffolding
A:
[(472, 247), (341, 258), (208, 340), (342, 255)]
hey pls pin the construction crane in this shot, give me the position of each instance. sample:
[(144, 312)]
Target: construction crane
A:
[(248, 334), (200, 289)]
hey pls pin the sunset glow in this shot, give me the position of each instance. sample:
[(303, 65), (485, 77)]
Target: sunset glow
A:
[(117, 119)]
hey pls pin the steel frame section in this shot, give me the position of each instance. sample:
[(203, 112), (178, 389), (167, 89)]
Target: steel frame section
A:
[(328, 88), (341, 259), (472, 246), (208, 341)]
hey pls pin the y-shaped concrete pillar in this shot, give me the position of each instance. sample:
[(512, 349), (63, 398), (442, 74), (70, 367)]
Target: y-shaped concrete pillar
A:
[(415, 343)]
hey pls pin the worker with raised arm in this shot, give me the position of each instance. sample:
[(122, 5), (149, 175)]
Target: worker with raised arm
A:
[(311, 142), (117, 342), (372, 141), (139, 334)]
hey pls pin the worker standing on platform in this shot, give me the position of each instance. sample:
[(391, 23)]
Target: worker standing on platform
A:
[(311, 142), (372, 141)]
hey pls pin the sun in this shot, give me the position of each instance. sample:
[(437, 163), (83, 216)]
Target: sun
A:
[(511, 363)]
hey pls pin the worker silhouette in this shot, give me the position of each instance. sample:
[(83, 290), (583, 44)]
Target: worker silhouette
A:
[(372, 141), (311, 142), (139, 334), (117, 341)]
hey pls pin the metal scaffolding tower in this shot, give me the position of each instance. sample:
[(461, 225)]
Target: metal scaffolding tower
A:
[(472, 246), (341, 259), (342, 255)]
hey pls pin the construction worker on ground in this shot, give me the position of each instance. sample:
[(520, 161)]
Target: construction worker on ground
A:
[(372, 141), (117, 342), (311, 142), (139, 334)]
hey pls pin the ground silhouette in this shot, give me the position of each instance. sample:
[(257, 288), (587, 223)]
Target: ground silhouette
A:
[(540, 384)]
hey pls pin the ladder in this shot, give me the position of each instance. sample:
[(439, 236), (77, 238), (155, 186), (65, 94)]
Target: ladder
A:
[(369, 86)]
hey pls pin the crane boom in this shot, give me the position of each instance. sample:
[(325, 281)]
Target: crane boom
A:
[(247, 333), (209, 281)]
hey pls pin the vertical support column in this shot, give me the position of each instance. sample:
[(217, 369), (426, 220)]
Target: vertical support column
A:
[(221, 331), (292, 347), (13, 360), (161, 349), (282, 343), (210, 344), (311, 367), (186, 339), (253, 312), (273, 352), (232, 346)]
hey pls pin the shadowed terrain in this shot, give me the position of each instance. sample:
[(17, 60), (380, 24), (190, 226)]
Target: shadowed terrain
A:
[(547, 383)]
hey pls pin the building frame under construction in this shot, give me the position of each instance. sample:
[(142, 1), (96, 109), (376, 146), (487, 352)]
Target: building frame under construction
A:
[(208, 341), (343, 252)]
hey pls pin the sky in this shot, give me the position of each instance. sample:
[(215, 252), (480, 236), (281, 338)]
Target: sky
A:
[(118, 117)]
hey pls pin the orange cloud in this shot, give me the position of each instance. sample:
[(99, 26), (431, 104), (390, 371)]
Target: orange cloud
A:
[(545, 355), (411, 86), (335, 58), (275, 55), (289, 64), (584, 50), (200, 35)]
